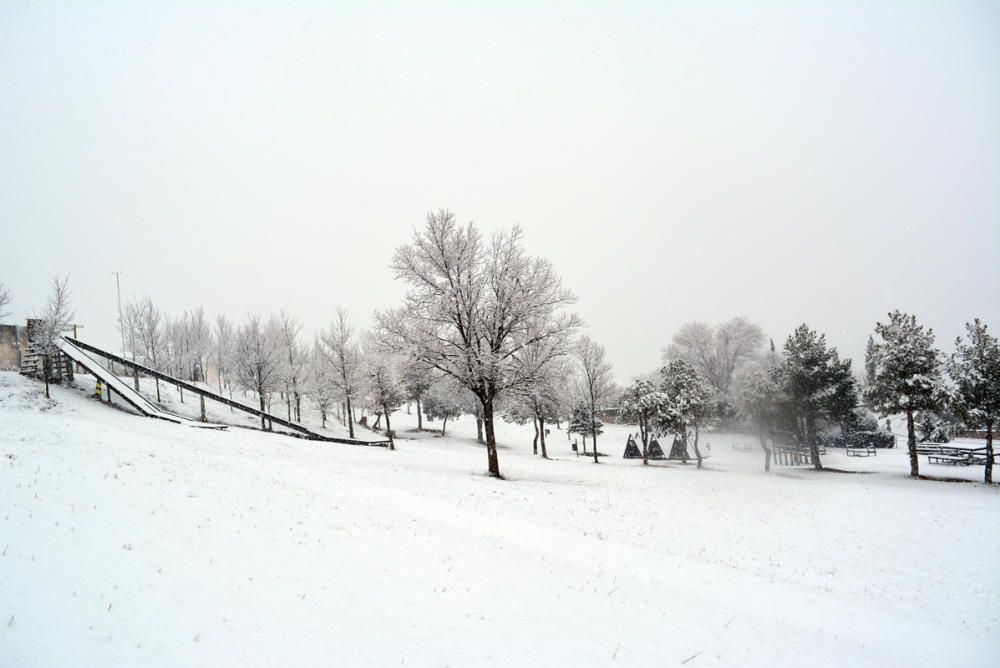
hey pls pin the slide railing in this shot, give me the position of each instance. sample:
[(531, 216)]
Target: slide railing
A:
[(208, 394)]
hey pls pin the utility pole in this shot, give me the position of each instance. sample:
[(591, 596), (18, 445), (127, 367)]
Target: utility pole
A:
[(121, 325)]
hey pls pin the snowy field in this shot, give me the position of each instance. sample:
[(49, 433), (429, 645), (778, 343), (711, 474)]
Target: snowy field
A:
[(129, 541)]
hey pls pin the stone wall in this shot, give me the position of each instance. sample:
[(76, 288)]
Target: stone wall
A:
[(13, 344)]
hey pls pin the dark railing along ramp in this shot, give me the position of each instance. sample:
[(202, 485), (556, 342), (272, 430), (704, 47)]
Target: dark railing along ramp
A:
[(128, 394), (213, 396)]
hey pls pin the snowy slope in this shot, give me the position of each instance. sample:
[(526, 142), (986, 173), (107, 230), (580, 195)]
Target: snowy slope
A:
[(130, 541)]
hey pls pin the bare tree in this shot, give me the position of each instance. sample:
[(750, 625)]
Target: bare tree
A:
[(337, 344), (151, 336), (385, 386), (320, 384), (222, 350), (4, 301), (200, 337), (596, 382), (53, 320), (473, 308), (716, 352), (294, 362), (257, 359)]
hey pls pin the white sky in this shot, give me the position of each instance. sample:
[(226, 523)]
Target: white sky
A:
[(676, 161)]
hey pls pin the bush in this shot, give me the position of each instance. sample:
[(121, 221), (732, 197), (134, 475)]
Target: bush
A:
[(859, 439)]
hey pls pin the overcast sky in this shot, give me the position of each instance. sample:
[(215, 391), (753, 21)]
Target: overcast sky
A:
[(791, 162)]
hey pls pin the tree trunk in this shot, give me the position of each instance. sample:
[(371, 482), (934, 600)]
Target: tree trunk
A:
[(181, 390), (298, 407), (541, 435), (479, 429), (444, 425), (697, 451), (388, 427), (45, 373), (813, 442), (593, 428), (135, 377), (911, 444), (420, 417), (350, 414), (288, 405), (262, 423), (767, 451), (989, 451), (491, 439), (645, 443), (157, 389), (534, 442), (322, 415)]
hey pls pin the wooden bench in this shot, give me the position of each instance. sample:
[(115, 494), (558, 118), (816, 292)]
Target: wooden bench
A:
[(951, 460), (742, 447), (861, 451)]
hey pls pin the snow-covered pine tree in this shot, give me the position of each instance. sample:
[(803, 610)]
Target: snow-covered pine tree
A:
[(816, 382), (584, 422), (691, 401), (975, 369), (643, 402), (904, 374)]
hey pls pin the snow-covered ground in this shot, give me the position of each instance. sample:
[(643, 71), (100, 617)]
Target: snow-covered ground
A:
[(131, 541)]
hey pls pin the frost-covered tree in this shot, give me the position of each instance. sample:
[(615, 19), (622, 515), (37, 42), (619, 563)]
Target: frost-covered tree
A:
[(150, 336), (386, 392), (320, 382), (257, 359), (904, 374), (52, 321), (544, 396), (417, 380), (816, 382), (975, 369), (716, 351), (583, 421), (595, 381), (294, 361), (222, 351), (474, 307), (758, 394), (446, 400), (4, 301), (337, 344), (645, 403), (690, 399), (200, 337)]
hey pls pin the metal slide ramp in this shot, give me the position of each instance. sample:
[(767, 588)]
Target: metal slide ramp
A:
[(300, 430), (124, 390)]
